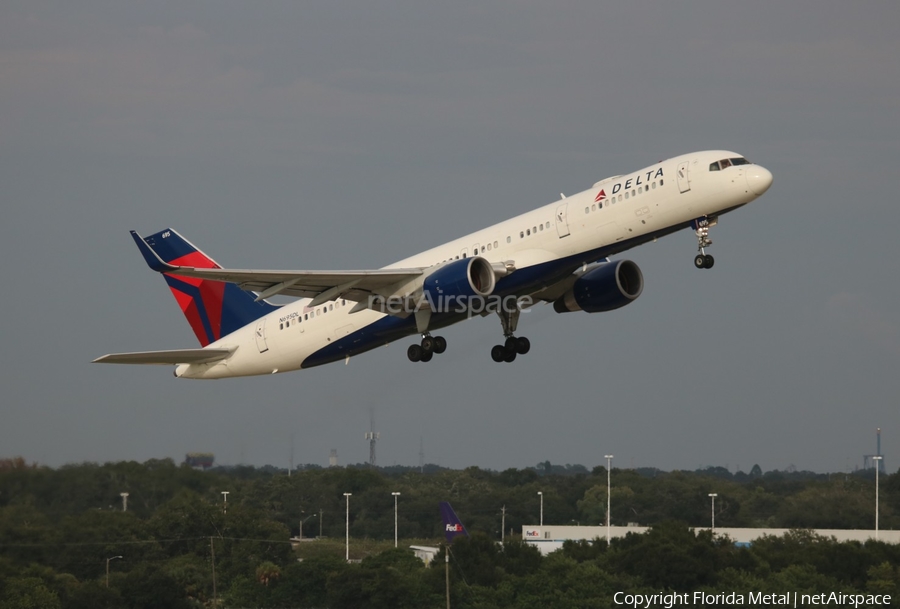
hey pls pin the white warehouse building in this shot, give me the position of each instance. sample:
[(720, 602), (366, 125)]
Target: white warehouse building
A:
[(549, 538)]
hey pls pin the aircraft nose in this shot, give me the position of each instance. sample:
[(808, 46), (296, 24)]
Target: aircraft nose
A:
[(758, 179)]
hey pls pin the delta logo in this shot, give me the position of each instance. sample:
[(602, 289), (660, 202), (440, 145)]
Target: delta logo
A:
[(454, 528), (600, 196)]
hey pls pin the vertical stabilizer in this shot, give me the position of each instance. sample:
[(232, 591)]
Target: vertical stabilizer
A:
[(452, 525), (213, 308)]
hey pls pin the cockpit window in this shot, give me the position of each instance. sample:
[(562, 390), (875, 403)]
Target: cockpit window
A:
[(728, 163)]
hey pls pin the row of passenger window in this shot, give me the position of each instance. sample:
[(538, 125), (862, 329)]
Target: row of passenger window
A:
[(481, 249), (314, 313), (531, 231), (619, 198)]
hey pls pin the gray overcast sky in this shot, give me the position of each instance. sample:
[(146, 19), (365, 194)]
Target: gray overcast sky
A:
[(322, 135)]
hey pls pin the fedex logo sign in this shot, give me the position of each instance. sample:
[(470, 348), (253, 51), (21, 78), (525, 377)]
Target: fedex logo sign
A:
[(532, 533), (454, 528)]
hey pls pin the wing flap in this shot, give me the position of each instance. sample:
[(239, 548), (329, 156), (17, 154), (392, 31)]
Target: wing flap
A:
[(172, 357)]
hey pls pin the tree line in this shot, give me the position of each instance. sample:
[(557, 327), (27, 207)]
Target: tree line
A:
[(61, 527)]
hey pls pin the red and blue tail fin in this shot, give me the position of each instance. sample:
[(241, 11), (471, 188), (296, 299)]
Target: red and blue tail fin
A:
[(452, 525), (213, 308)]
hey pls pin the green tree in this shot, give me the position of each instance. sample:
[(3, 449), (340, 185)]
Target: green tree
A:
[(27, 593)]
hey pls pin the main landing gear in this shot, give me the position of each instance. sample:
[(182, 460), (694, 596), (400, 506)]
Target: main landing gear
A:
[(425, 351), (701, 229), (513, 346)]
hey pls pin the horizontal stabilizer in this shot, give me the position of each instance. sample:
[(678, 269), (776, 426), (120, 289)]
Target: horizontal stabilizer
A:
[(172, 357)]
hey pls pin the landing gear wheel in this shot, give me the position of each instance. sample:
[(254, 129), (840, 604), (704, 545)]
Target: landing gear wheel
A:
[(511, 343), (415, 353), (498, 353), (523, 345), (428, 344), (440, 344), (704, 261), (426, 357), (509, 355)]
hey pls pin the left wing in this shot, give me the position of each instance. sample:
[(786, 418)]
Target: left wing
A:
[(321, 286)]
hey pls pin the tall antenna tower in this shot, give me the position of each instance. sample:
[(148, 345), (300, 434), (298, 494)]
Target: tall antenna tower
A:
[(869, 462), (372, 436), (421, 456)]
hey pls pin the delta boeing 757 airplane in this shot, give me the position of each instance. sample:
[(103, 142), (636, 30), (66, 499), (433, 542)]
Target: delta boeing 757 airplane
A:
[(559, 254)]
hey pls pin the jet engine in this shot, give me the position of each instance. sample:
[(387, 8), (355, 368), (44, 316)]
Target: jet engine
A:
[(609, 286), (458, 280)]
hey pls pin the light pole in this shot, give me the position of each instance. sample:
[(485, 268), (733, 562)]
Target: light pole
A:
[(395, 494), (713, 497), (877, 459), (303, 520), (347, 543), (225, 501), (608, 503), (107, 568), (541, 495), (124, 501)]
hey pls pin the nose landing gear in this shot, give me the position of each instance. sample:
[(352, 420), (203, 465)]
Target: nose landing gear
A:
[(704, 261), (701, 229)]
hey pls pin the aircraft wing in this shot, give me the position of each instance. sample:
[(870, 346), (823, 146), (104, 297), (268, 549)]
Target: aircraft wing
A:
[(321, 286), (174, 356)]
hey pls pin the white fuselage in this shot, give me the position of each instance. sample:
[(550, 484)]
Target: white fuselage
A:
[(633, 208)]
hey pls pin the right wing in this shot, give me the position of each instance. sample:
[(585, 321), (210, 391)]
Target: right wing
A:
[(174, 356)]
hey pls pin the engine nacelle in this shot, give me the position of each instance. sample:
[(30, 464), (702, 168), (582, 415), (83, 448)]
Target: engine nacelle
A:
[(458, 281), (605, 288)]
